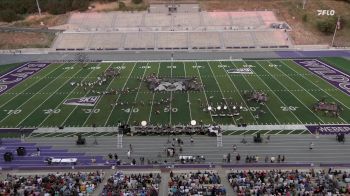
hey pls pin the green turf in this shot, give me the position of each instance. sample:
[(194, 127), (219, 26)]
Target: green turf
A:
[(339, 62), (292, 90), (7, 67)]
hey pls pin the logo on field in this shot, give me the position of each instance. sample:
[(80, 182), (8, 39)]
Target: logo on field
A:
[(245, 70), (325, 12), (83, 101)]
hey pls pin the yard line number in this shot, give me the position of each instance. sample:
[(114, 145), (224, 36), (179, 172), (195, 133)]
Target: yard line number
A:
[(252, 109), (289, 108), (89, 111), (11, 112), (52, 111), (133, 110)]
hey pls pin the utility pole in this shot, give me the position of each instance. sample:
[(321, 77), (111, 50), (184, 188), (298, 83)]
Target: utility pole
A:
[(304, 3), (335, 30), (37, 4)]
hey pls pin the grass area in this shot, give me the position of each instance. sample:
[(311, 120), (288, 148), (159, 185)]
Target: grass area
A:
[(292, 90), (14, 40), (339, 62), (6, 68)]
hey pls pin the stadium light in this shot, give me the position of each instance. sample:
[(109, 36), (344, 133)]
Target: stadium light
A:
[(193, 122), (337, 26), (143, 123), (210, 108), (219, 108)]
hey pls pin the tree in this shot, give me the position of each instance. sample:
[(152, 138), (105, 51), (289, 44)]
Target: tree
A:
[(137, 1), (8, 15), (326, 26)]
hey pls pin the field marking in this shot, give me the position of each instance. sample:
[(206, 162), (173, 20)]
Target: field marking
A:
[(38, 106), (34, 95), (188, 94), (246, 104), (205, 95), (335, 89), (277, 95), (217, 83), (98, 101), (151, 110), (291, 93), (171, 93), (110, 114), (132, 107), (71, 92), (251, 86), (84, 95), (32, 84), (303, 87)]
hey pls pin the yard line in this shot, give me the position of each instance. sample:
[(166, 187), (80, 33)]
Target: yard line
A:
[(254, 89), (171, 92), (205, 95), (110, 114), (188, 95), (303, 88), (150, 112), (220, 89), (132, 107), (33, 95), (100, 97), (32, 83), (290, 132), (71, 92), (239, 93), (278, 132), (276, 95), (83, 96), (290, 92), (64, 83), (302, 75)]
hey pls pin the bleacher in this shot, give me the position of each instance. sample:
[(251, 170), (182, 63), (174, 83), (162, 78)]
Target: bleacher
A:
[(176, 31)]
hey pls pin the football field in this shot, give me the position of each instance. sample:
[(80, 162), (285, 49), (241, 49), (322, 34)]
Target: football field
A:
[(292, 90)]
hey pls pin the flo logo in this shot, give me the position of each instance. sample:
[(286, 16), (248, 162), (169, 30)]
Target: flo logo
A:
[(325, 12)]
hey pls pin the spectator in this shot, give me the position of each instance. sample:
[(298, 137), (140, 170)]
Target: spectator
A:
[(199, 183), (51, 184), (134, 184), (115, 156), (266, 158), (311, 146), (238, 157), (234, 147), (294, 182), (38, 151), (110, 156), (228, 157), (129, 154)]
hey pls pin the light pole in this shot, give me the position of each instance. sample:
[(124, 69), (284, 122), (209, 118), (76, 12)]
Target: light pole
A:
[(335, 30), (37, 4)]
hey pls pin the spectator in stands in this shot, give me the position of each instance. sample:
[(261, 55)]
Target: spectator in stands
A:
[(199, 183), (277, 182), (38, 151), (129, 154), (51, 184), (141, 184)]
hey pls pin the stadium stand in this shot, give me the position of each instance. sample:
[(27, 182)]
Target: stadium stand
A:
[(195, 183), (175, 31), (133, 184), (80, 183), (172, 40), (293, 182)]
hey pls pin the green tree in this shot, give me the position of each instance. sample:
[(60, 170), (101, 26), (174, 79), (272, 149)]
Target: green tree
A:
[(8, 15), (327, 26), (137, 1)]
